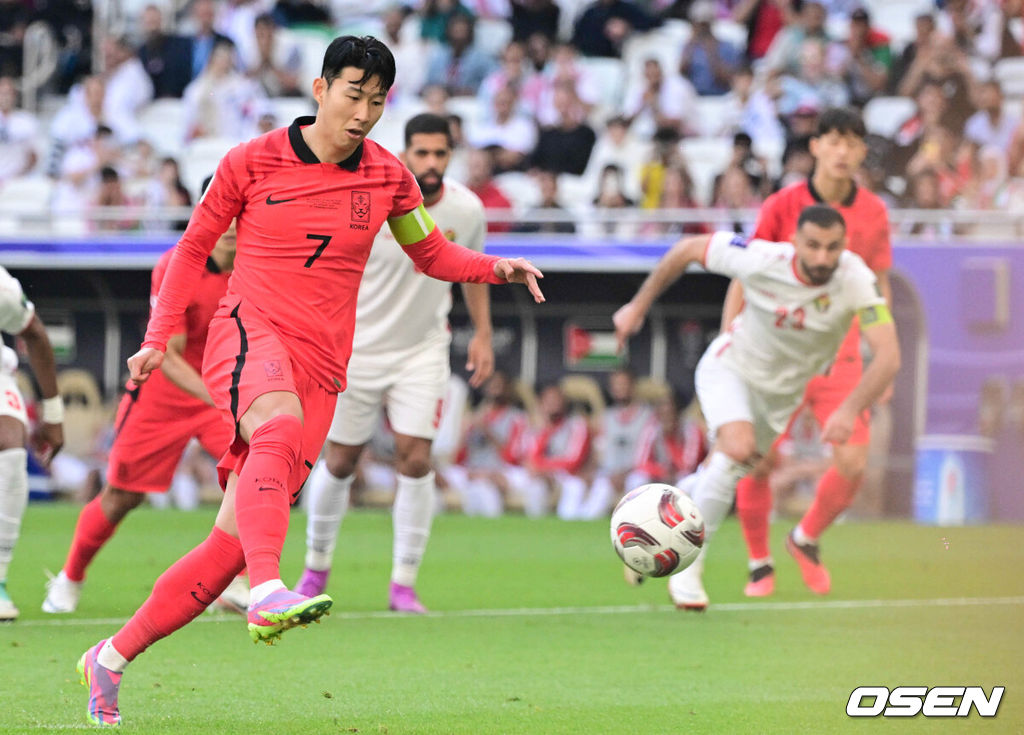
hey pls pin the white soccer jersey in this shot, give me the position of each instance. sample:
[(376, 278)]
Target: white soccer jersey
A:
[(398, 307), (15, 313), (788, 329)]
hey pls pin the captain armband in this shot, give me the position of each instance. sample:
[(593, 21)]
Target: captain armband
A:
[(412, 227), (872, 315)]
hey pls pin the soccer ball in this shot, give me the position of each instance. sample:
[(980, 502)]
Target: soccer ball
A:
[(657, 530)]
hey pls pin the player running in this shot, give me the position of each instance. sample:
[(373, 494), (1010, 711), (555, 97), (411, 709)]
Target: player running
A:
[(154, 424), (838, 148), (800, 301), (309, 200), (400, 362), (18, 317)]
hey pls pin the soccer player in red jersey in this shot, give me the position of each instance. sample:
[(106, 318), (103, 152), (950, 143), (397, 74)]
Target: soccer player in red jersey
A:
[(838, 148), (153, 426), (309, 200)]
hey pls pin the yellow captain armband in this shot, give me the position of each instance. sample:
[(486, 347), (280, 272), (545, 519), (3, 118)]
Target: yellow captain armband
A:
[(412, 226), (873, 315)]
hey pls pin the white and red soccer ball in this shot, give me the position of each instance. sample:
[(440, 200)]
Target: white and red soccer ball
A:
[(657, 530)]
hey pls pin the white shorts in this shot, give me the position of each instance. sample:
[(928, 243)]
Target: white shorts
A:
[(12, 403), (410, 385), (725, 396)]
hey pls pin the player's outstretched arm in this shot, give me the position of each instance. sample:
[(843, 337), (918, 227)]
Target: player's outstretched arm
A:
[(733, 304), (144, 362), (520, 270), (880, 333), (629, 319), (48, 438), (177, 370)]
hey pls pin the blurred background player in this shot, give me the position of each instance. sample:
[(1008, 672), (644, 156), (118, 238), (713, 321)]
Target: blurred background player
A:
[(801, 300), (838, 149), (18, 317), (672, 446), (616, 445), (556, 456), (154, 425), (492, 446), (400, 361), (278, 346)]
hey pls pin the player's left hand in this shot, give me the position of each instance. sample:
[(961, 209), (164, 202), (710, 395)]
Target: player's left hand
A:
[(520, 270), (479, 359), (46, 441), (838, 427), (628, 320)]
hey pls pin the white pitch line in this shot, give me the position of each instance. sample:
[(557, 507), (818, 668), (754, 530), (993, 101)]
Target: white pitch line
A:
[(726, 607)]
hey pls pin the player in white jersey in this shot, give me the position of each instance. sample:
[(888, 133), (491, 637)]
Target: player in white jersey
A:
[(400, 361), (18, 317), (800, 300)]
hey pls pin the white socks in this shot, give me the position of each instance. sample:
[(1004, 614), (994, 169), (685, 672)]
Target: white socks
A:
[(716, 488), (13, 499), (802, 538), (326, 502), (263, 589), (413, 514), (109, 658)]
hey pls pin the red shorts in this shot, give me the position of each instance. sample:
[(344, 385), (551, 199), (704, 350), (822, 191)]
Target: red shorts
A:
[(154, 423), (244, 359)]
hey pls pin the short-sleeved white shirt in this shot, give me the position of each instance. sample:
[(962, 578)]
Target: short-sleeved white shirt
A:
[(15, 309), (399, 308), (17, 142), (788, 330)]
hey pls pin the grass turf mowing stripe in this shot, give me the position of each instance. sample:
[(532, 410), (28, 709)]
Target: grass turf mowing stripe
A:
[(595, 610)]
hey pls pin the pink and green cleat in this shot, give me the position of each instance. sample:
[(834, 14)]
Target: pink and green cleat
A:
[(103, 685), (283, 610)]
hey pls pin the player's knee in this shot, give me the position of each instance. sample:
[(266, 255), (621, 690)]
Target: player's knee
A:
[(742, 451), (340, 460), (116, 503), (851, 463), (414, 465)]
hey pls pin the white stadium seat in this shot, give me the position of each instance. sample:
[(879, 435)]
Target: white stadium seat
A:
[(884, 115), (1010, 74), (492, 35), (27, 195), (162, 123), (200, 159), (520, 189), (705, 159), (287, 109)]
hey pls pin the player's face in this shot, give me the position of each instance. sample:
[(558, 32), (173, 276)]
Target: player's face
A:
[(838, 155), (224, 250), (427, 157), (818, 250), (347, 109)]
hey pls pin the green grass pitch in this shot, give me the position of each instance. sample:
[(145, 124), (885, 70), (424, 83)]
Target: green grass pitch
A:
[(534, 632)]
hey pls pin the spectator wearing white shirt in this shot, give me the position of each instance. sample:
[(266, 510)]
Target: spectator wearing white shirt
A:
[(278, 65), (660, 101), (401, 35), (459, 64), (623, 150), (511, 136), (76, 122), (17, 134), (990, 125), (78, 184), (129, 89), (563, 67), (220, 102), (750, 109)]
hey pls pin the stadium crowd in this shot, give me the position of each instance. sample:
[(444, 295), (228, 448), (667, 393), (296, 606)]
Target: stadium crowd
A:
[(601, 106)]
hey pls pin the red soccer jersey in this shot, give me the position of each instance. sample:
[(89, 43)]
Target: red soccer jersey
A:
[(867, 233), (304, 233)]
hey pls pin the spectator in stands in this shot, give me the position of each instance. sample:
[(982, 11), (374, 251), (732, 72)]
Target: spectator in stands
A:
[(165, 189), (803, 121), (565, 148), (409, 51), (990, 125), (619, 147), (763, 19), (872, 174), (110, 195), (611, 196), (672, 446), (538, 51), (489, 462), (925, 36), (945, 65), (513, 73), (753, 165), (72, 23), (18, 129), (977, 28), (204, 37), (863, 61), (480, 180), (923, 193), (786, 54), (236, 20), (458, 161), (987, 189), (797, 162), (616, 448), (458, 64), (76, 122), (677, 193), (734, 193), (221, 102), (547, 185), (167, 58), (941, 152), (304, 12), (751, 110), (129, 89), (278, 66), (534, 16), (1015, 154), (660, 101), (435, 15), (557, 454), (78, 183), (15, 15), (604, 25), (664, 154), (563, 67), (707, 62), (929, 115), (814, 83), (510, 135)]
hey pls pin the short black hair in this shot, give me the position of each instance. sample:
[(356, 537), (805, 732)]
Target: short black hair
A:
[(821, 215), (842, 120), (362, 52), (108, 175), (428, 123)]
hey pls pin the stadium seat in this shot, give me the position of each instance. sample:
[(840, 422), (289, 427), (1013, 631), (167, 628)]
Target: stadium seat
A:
[(84, 413), (662, 44), (651, 390), (492, 35), (526, 397), (286, 109), (710, 111), (583, 391), (705, 159), (26, 195), (520, 188), (311, 44), (200, 159), (731, 31), (575, 191), (1009, 72), (884, 115), (612, 76), (162, 123), (467, 108)]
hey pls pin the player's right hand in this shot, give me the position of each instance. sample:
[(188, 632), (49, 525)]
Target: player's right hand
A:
[(628, 320), (144, 362)]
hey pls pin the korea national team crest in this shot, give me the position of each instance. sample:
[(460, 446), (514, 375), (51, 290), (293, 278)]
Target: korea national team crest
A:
[(361, 206)]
